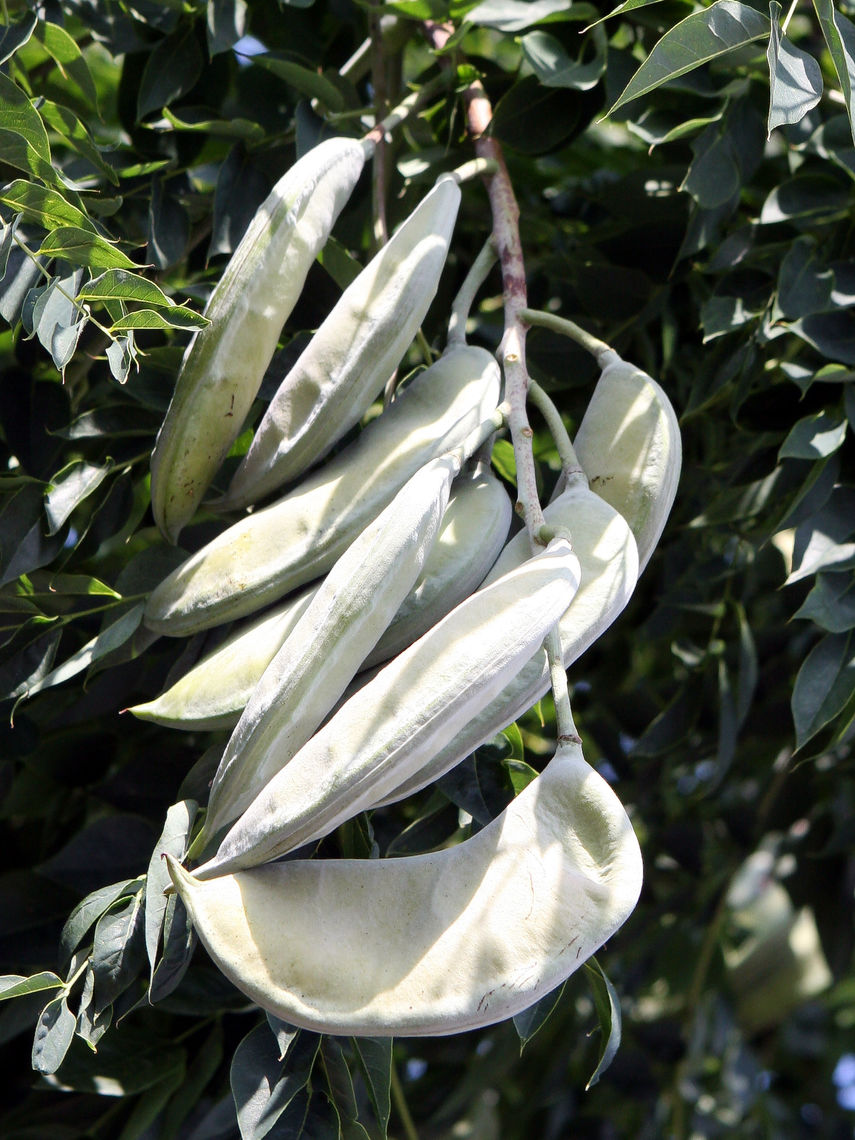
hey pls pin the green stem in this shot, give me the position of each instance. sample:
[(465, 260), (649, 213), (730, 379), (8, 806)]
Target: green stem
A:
[(461, 306), (570, 467), (588, 341), (401, 1106), (475, 168), (407, 107)]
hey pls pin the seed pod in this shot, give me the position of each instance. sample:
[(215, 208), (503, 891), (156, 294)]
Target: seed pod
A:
[(224, 364), (629, 447), (437, 943), (352, 354), (608, 558), (214, 692), (345, 618), (273, 551), (473, 532), (409, 710)]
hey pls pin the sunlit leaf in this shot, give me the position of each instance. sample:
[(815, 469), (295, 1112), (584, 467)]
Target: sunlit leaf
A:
[(795, 79), (700, 38)]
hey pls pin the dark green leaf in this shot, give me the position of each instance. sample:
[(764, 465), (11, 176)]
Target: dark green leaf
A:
[(69, 59), (831, 603), (514, 15), (531, 1020), (225, 24), (172, 841), (77, 136), (700, 38), (54, 1034), (301, 78), (23, 138), (264, 1082), (821, 541), (178, 944), (840, 38), (608, 1012), (14, 36), (118, 949), (110, 638), (120, 285), (90, 909), (221, 128), (554, 67), (171, 70), (374, 1057), (795, 79), (805, 281), (805, 196), (69, 488), (824, 685), (814, 437), (832, 334)]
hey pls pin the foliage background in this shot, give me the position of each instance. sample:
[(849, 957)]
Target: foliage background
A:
[(704, 229)]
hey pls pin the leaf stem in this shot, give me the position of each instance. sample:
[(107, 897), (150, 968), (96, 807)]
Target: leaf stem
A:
[(571, 469), (461, 306), (562, 325)]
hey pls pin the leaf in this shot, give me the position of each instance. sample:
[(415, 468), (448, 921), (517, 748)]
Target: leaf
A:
[(531, 1020), (805, 281), (172, 841), (57, 321), (264, 1082), (607, 1005), (301, 78), (814, 437), (168, 227), (43, 205), (16, 985), (121, 285), (80, 247), (170, 71), (832, 334), (820, 541), (69, 59), (23, 138), (620, 9), (69, 487), (795, 78), (23, 544), (54, 1034), (554, 67), (831, 603), (824, 685), (839, 35), (178, 942), (700, 38), (118, 949), (14, 36), (177, 317), (374, 1057), (89, 910), (225, 24), (514, 15), (76, 136), (105, 642), (236, 128)]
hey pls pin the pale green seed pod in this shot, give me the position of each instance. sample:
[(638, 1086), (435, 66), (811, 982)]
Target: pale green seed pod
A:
[(272, 551), (608, 558), (474, 530), (629, 446), (435, 943), (224, 364), (347, 615), (352, 354), (214, 692), (413, 707)]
